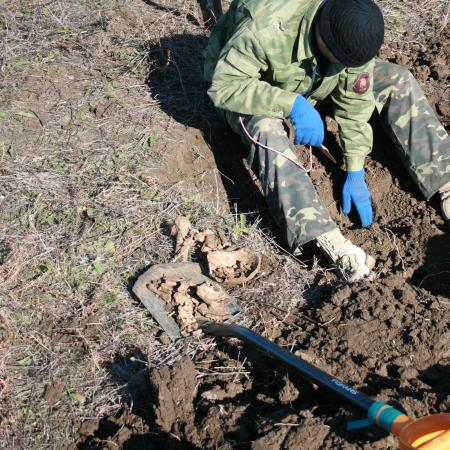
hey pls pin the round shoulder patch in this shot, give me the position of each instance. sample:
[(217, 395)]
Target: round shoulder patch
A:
[(362, 83)]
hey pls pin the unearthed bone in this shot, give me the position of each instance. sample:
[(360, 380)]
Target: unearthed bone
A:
[(180, 291), (189, 301), (186, 318), (222, 237), (166, 286), (233, 267), (183, 254), (166, 296), (183, 300), (182, 229), (200, 237), (184, 286), (163, 307), (211, 294), (211, 243), (226, 264), (215, 301), (216, 312)]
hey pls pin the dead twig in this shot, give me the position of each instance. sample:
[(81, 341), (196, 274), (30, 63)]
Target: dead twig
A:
[(445, 18)]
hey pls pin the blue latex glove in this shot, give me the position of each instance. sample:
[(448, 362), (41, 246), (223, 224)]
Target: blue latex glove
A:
[(308, 125), (356, 191)]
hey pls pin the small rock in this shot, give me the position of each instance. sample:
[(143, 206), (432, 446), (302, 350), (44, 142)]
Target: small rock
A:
[(164, 339), (408, 373), (289, 393), (53, 393), (216, 393), (382, 371)]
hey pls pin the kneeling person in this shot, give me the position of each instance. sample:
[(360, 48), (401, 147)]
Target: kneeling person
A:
[(268, 60)]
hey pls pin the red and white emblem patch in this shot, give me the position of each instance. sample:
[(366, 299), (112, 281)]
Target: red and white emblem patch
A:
[(362, 83)]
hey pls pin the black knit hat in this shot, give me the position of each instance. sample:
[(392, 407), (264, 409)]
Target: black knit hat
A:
[(353, 30)]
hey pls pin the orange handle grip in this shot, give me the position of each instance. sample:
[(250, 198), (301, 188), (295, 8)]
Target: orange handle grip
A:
[(440, 442), (428, 433)]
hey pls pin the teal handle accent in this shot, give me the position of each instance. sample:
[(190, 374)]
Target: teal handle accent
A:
[(358, 424), (386, 418)]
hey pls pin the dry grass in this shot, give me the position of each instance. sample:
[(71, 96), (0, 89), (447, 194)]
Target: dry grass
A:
[(414, 21), (81, 212)]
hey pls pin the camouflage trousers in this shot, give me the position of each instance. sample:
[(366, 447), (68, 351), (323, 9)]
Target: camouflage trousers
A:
[(422, 142)]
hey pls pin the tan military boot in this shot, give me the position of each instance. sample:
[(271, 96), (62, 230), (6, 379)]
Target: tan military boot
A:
[(445, 204), (351, 261)]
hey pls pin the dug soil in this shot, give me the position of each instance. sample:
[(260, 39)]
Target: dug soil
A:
[(390, 338)]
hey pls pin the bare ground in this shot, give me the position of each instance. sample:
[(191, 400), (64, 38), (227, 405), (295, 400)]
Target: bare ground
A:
[(106, 136)]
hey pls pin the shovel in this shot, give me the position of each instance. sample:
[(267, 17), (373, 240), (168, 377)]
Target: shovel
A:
[(157, 306), (427, 433)]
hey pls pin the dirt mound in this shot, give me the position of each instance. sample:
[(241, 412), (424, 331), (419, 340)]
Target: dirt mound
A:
[(389, 339), (174, 392), (430, 64), (389, 329)]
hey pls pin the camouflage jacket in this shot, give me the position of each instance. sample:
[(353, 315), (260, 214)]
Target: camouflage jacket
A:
[(260, 57)]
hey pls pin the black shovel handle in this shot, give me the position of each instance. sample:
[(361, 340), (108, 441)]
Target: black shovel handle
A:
[(307, 370)]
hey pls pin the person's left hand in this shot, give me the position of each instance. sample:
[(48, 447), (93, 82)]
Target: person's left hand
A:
[(355, 190), (308, 125)]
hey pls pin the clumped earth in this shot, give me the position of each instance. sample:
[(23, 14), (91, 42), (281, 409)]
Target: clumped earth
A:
[(106, 138)]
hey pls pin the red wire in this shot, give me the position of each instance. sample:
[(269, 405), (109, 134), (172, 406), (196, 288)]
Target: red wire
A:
[(306, 169)]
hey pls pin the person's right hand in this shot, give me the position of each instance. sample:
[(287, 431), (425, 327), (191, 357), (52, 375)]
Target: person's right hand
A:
[(308, 125), (355, 191)]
